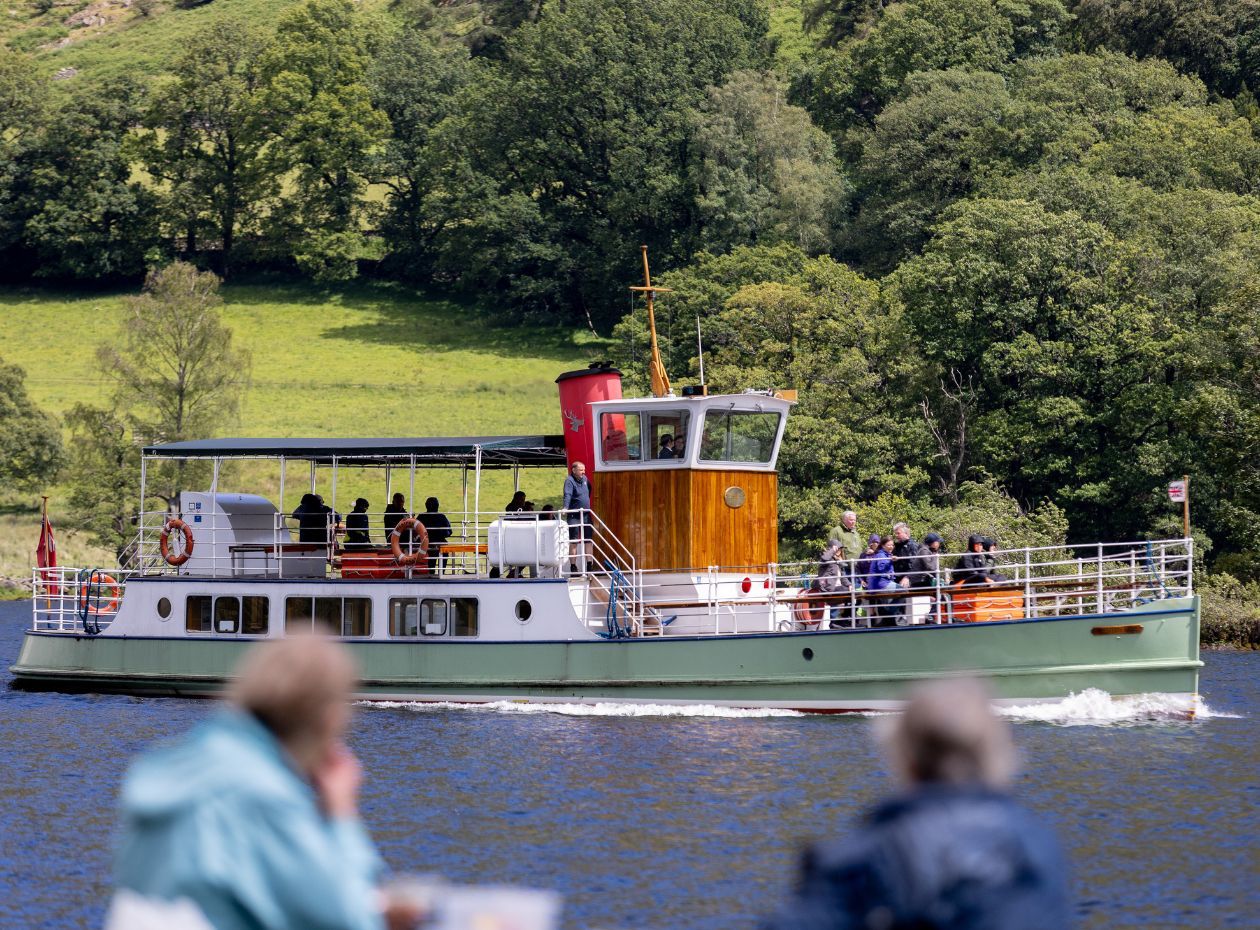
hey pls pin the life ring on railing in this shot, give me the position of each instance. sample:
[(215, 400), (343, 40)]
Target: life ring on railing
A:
[(418, 531), (175, 525), (806, 610), (106, 581)]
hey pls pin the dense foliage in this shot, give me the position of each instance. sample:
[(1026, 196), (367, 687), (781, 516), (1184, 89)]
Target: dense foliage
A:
[(1008, 250)]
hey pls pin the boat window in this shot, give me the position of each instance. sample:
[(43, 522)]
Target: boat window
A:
[(619, 436), (356, 616), (671, 423), (197, 614), (404, 616), (227, 614), (433, 617), (164, 608), (464, 616), (738, 436), (255, 611), (297, 615), (351, 616), (327, 615)]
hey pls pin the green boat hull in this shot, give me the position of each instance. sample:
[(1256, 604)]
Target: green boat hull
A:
[(1152, 649)]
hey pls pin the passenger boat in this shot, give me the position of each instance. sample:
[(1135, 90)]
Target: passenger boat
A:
[(678, 597)]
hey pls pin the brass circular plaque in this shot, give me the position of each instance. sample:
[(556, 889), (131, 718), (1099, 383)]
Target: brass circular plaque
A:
[(734, 497)]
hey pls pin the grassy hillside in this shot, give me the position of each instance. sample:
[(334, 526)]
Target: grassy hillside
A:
[(363, 360)]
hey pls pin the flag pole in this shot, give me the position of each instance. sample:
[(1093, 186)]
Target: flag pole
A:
[(656, 368), (1185, 507)]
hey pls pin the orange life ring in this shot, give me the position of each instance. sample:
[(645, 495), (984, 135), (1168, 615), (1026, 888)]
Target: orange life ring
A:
[(808, 611), (106, 581), (171, 526), (395, 541)]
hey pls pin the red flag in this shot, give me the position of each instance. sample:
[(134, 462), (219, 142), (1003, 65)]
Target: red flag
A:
[(46, 556)]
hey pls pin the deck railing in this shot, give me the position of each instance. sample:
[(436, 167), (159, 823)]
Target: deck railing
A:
[(76, 600)]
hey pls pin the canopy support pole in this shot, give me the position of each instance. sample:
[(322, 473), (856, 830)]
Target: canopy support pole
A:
[(214, 517), (477, 504)]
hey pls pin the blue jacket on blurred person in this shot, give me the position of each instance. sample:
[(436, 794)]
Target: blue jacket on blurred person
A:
[(224, 818), (942, 857)]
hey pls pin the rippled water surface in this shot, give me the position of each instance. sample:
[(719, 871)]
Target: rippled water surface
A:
[(683, 821)]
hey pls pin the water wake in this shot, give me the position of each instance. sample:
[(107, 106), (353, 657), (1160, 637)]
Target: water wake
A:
[(603, 709), (1093, 707)]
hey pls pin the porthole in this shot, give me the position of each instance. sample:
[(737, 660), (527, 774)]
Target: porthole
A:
[(524, 610), (164, 608), (807, 654)]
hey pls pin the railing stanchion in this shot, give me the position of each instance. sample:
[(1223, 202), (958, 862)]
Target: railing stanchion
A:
[(1098, 606), (1028, 596)]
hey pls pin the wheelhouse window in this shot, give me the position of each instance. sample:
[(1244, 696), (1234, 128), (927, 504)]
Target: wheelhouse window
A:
[(229, 615), (339, 616), (739, 436), (667, 434), (620, 437)]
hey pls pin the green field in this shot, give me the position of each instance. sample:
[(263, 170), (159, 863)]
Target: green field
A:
[(363, 360)]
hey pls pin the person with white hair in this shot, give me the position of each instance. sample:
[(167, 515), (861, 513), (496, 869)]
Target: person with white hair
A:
[(955, 851), (252, 817)]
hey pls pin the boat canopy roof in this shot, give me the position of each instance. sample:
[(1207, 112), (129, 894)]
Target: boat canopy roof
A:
[(493, 451)]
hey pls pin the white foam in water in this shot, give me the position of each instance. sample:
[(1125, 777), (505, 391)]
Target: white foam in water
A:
[(607, 709), (1095, 707)]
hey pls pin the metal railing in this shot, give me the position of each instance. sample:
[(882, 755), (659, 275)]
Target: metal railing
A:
[(76, 600)]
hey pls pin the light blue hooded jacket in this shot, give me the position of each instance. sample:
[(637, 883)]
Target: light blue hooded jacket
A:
[(223, 818)]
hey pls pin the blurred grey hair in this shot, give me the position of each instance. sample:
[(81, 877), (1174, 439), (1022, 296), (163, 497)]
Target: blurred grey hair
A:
[(290, 683), (948, 733), (900, 526)]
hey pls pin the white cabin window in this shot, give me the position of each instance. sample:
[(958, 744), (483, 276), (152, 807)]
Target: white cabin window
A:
[(227, 614), (463, 616), (411, 617), (348, 616), (197, 614), (620, 437), (739, 436)]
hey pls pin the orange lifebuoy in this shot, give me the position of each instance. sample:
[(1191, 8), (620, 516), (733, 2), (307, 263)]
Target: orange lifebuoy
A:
[(419, 531), (175, 525), (105, 581), (808, 611)]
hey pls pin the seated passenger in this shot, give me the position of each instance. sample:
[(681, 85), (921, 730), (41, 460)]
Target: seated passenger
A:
[(990, 558), (667, 450), (880, 578), (395, 511), (357, 537), (315, 519), (973, 567), (439, 529), (516, 504)]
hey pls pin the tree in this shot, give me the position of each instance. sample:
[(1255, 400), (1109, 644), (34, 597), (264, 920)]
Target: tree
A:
[(23, 106), (318, 102), (765, 172), (31, 452), (103, 476), (209, 141), (1081, 383), (175, 371), (848, 85), (584, 127), (416, 86), (85, 215), (1218, 40)]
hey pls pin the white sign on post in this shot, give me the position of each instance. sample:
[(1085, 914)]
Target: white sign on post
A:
[(1176, 490)]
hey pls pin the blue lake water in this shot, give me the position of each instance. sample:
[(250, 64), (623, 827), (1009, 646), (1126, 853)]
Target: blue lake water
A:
[(684, 821)]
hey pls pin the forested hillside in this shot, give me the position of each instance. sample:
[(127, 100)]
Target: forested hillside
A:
[(1007, 250)]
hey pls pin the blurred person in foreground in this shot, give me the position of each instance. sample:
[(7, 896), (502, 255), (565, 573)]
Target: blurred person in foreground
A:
[(954, 851), (253, 815)]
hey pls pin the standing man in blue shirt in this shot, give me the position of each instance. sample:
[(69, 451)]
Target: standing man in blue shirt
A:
[(577, 507)]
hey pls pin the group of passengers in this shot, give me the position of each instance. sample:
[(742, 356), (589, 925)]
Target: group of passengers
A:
[(319, 523), (890, 568)]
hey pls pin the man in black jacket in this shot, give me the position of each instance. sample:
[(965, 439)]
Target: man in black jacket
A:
[(910, 563), (955, 851)]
